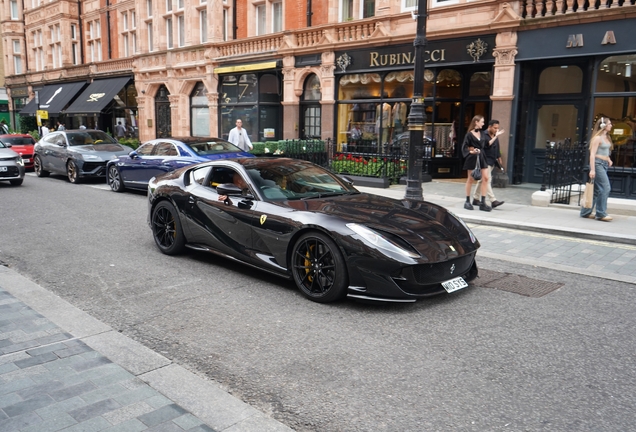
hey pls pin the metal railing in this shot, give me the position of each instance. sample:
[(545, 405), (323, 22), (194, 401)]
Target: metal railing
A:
[(564, 167)]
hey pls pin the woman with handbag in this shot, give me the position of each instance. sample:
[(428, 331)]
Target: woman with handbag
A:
[(475, 161), (600, 149)]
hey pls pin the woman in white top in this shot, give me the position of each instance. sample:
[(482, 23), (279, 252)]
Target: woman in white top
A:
[(600, 149)]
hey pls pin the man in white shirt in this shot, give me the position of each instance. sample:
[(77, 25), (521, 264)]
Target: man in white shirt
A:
[(238, 136), (45, 130)]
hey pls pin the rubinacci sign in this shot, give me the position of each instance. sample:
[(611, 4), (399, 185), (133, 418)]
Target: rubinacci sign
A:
[(444, 52)]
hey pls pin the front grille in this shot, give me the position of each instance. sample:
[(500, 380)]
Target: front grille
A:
[(94, 167), (439, 272), (11, 171)]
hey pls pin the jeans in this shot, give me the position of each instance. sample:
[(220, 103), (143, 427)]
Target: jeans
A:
[(602, 190)]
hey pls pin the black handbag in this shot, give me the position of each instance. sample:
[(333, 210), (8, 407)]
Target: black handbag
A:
[(476, 173)]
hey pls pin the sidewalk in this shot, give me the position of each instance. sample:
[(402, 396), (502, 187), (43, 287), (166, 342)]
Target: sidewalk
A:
[(63, 370), (519, 213)]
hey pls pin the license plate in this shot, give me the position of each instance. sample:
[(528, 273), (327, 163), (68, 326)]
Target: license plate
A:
[(454, 284), (3, 169), (26, 160)]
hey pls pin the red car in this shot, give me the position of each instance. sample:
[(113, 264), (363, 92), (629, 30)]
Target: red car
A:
[(22, 144)]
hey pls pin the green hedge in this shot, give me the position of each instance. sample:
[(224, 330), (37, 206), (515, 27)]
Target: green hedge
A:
[(288, 147)]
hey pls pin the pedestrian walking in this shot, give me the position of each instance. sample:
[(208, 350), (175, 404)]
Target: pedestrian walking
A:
[(492, 153), (45, 130), (120, 131), (60, 126), (600, 148), (3, 127), (474, 142), (238, 136)]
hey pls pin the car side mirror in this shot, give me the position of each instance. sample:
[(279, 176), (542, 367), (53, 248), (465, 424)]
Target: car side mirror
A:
[(230, 189), (7, 145), (346, 180), (61, 143), (133, 154)]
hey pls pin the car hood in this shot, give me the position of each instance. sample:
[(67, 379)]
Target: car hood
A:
[(102, 149), (430, 229), (7, 153)]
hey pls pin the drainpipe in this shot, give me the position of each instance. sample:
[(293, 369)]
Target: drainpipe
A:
[(234, 26), (309, 13), (110, 54), (80, 29)]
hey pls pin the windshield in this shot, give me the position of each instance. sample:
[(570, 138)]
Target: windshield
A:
[(89, 137), (18, 141), (213, 147), (289, 180)]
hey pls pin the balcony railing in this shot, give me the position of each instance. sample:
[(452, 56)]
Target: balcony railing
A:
[(548, 8)]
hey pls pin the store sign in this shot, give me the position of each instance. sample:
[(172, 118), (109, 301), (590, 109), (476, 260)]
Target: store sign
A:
[(452, 51)]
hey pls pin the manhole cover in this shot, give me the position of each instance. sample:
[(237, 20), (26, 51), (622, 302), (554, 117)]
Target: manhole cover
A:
[(516, 284)]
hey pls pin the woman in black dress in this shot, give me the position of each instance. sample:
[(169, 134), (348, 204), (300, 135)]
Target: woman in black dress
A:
[(474, 143)]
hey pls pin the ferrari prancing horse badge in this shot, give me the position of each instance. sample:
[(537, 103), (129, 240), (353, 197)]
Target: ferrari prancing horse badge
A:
[(263, 219)]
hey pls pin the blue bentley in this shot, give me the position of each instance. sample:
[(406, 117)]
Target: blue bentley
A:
[(162, 155)]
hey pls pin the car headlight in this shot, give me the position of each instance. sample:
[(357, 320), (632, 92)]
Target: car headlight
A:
[(19, 160), (91, 158), (380, 241), (470, 232)]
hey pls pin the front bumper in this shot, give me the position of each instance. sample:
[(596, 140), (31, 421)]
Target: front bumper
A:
[(12, 172)]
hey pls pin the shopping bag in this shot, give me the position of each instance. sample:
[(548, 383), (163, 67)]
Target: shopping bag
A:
[(588, 195), (476, 173)]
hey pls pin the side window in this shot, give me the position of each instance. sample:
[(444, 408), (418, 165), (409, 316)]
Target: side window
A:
[(199, 175), (221, 175), (146, 149), (51, 138), (166, 149)]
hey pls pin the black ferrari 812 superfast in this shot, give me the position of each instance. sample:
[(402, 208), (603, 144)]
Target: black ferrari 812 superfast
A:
[(298, 220)]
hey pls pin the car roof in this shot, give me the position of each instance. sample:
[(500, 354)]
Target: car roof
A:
[(189, 139), (15, 136)]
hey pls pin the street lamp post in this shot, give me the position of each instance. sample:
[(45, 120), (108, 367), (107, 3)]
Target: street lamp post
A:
[(417, 116)]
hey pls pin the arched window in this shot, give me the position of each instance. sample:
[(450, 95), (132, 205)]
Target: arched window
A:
[(199, 111), (311, 111), (561, 79)]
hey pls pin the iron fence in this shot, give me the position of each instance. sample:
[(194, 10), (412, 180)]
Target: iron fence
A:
[(387, 162), (564, 167)]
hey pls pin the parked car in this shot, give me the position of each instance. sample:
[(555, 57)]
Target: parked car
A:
[(11, 166), (77, 153), (22, 144), (295, 219), (159, 156)]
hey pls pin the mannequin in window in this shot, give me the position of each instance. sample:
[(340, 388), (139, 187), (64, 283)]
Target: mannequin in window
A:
[(383, 121)]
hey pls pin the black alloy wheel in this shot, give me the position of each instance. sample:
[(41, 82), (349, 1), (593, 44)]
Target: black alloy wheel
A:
[(72, 172), (113, 177), (166, 229), (37, 167), (318, 268)]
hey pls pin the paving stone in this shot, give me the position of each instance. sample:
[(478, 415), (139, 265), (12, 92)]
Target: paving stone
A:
[(202, 428), (187, 421), (93, 425), (13, 386), (5, 342), (20, 422), (162, 415), (60, 408), (7, 367), (58, 423), (9, 399), (22, 373), (165, 427), (128, 412), (83, 364), (115, 377), (71, 351), (103, 393), (158, 401), (28, 405), (94, 410), (36, 360), (133, 425), (136, 395), (46, 349), (18, 347), (37, 389), (72, 391)]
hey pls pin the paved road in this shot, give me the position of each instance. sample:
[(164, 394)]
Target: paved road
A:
[(483, 359)]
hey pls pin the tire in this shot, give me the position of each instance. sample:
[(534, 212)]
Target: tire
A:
[(318, 268), (16, 182), (114, 180), (37, 167), (72, 172), (166, 229)]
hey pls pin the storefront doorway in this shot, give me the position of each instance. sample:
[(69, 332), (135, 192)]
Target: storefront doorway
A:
[(163, 116)]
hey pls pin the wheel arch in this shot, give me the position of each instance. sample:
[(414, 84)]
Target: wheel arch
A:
[(308, 229)]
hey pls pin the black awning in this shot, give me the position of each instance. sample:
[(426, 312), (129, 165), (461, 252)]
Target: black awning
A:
[(53, 98), (97, 96)]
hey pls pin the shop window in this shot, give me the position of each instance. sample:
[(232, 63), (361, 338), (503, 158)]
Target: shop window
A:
[(561, 79), (399, 84), (125, 109), (617, 74), (480, 84), (449, 84), (199, 111), (360, 86), (268, 88), (312, 88)]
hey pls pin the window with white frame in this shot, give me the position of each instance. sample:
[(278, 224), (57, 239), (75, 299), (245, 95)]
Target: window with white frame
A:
[(17, 57), (203, 25), (95, 40), (409, 5), (124, 20), (128, 35), (149, 8), (74, 45), (168, 5), (181, 30), (56, 46), (261, 19), (38, 50), (133, 19), (151, 45), (35, 3), (368, 8), (14, 10), (346, 10), (180, 4), (169, 33), (277, 16)]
